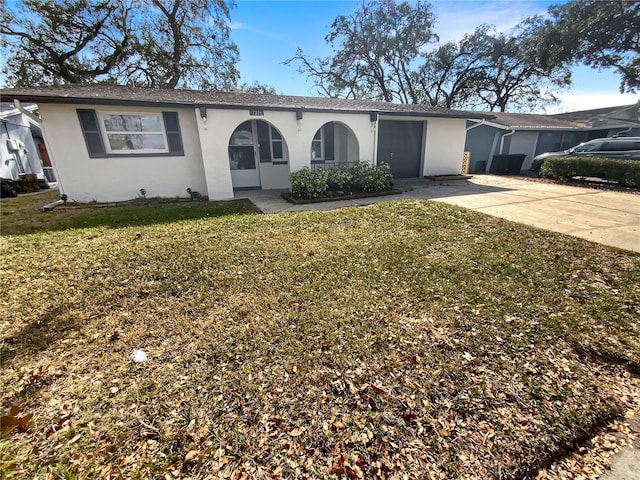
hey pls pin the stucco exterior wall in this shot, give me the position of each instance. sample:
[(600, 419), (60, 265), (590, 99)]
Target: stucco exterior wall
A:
[(205, 165), (215, 132), (118, 178), (444, 146)]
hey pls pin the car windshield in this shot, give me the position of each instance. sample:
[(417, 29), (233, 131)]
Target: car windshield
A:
[(587, 147)]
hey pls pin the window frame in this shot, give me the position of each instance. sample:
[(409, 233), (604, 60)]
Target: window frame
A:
[(280, 160), (142, 151), (96, 140), (319, 159), (327, 144)]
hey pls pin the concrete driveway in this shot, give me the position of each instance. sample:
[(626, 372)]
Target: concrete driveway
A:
[(607, 217)]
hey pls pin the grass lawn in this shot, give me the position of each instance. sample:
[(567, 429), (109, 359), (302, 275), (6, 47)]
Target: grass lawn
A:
[(401, 340), (24, 214)]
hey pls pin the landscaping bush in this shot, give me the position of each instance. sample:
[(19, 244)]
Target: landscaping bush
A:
[(9, 188), (377, 179), (625, 172), (307, 183), (362, 177), (340, 179), (358, 172)]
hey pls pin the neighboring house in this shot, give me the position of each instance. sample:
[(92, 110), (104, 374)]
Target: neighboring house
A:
[(22, 146), (531, 134), (109, 141)]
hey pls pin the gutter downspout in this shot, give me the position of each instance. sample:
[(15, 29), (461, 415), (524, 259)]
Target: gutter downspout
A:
[(477, 125), (29, 114), (374, 127), (513, 130)]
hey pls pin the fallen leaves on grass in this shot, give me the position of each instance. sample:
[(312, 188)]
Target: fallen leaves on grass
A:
[(14, 421), (418, 341)]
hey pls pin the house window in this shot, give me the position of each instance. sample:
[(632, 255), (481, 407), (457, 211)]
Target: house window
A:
[(142, 133), (277, 152), (322, 145), (269, 143), (316, 146), (112, 134)]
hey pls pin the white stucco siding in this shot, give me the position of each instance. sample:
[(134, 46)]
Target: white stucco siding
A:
[(215, 132), (120, 177), (205, 167), (524, 143), (444, 146)]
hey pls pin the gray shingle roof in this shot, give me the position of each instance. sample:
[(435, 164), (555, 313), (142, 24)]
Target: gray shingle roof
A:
[(624, 113), (121, 94), (599, 117), (534, 121)]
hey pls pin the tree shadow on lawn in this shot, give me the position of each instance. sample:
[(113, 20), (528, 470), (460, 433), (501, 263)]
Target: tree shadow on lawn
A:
[(38, 335), (20, 221)]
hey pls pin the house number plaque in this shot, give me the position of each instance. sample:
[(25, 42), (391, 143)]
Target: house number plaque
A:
[(256, 113)]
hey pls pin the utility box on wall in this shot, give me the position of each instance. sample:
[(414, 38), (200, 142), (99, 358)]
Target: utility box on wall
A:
[(13, 145)]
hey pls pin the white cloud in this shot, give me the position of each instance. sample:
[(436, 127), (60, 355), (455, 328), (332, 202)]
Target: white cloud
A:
[(571, 102), (456, 18), (236, 25)]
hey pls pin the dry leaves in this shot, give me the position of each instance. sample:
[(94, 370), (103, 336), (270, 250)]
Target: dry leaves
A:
[(418, 341)]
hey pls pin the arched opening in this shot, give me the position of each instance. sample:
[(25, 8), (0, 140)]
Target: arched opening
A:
[(334, 143), (257, 153)]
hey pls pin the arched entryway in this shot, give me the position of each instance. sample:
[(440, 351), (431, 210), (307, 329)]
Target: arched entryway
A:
[(257, 152), (334, 143)]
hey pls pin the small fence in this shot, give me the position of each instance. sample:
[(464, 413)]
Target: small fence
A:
[(466, 163), (330, 164)]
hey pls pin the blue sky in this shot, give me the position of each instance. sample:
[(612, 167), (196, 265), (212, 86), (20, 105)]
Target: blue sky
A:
[(268, 32)]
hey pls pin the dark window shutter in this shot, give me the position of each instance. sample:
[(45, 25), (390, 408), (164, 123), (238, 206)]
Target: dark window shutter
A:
[(172, 128), (91, 131)]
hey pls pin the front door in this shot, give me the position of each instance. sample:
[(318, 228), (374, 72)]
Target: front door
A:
[(400, 145), (243, 156)]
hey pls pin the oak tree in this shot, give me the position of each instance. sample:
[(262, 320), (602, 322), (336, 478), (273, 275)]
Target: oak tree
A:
[(69, 41), (164, 43), (374, 52), (601, 34)]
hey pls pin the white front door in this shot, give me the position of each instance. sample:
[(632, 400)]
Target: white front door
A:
[(243, 157)]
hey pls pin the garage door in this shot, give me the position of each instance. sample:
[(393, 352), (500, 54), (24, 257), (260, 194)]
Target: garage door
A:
[(400, 145)]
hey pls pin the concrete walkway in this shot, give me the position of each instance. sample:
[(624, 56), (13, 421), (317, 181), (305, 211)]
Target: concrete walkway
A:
[(607, 217)]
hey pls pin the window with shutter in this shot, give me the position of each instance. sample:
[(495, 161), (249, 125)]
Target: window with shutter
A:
[(91, 131), (131, 133)]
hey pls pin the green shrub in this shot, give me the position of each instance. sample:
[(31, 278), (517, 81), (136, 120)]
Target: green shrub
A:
[(307, 183), (340, 179), (377, 179), (625, 172), (358, 174)]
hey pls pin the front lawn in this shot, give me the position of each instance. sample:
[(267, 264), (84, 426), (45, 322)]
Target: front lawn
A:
[(403, 338), (24, 214)]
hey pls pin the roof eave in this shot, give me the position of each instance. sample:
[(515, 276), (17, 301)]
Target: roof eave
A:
[(43, 99)]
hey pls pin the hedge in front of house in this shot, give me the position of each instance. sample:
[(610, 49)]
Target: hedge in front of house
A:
[(625, 172), (362, 177)]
